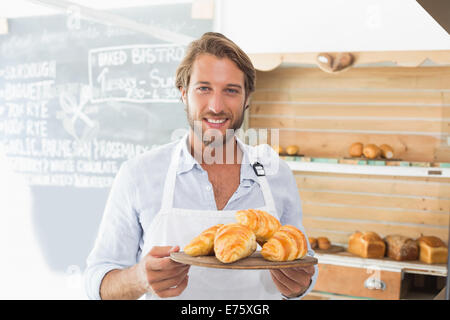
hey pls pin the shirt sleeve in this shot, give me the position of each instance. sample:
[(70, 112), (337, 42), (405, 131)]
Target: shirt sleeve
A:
[(117, 243), (292, 214)]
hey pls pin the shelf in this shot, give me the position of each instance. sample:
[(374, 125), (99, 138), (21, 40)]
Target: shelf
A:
[(415, 267), (406, 171)]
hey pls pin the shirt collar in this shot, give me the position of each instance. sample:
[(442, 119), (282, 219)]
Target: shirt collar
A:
[(188, 162)]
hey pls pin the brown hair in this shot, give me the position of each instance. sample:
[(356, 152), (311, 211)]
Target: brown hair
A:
[(220, 46)]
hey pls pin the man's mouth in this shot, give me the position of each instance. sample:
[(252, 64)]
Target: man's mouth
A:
[(215, 123)]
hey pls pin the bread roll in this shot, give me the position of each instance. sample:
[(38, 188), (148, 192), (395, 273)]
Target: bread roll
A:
[(356, 149), (401, 248), (287, 244), (386, 151), (234, 241), (371, 151), (203, 244), (292, 150), (432, 250), (366, 245), (312, 242), (323, 243), (263, 224), (278, 149)]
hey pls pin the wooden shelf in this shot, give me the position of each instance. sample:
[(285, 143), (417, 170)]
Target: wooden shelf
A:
[(416, 267), (407, 171)]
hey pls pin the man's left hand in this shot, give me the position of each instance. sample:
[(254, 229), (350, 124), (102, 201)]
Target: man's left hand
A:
[(292, 282)]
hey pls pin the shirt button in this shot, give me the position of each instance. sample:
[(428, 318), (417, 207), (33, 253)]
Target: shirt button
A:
[(208, 188)]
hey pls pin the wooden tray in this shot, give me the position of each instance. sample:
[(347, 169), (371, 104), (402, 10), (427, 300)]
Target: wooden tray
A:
[(332, 249), (255, 261)]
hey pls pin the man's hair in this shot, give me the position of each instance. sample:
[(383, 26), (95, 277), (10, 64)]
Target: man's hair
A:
[(216, 44)]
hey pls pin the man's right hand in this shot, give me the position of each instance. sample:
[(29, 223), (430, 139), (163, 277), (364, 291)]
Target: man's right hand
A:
[(161, 275)]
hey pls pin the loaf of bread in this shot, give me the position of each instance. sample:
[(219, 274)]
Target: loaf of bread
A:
[(386, 151), (356, 149), (371, 151), (401, 248), (203, 244), (312, 242), (292, 150), (366, 245), (287, 244), (432, 250), (233, 242), (263, 224), (323, 243)]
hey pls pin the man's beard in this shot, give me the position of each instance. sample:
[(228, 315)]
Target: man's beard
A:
[(212, 139)]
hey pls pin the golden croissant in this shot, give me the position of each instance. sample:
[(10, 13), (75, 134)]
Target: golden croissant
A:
[(203, 244), (287, 244), (262, 223), (234, 241)]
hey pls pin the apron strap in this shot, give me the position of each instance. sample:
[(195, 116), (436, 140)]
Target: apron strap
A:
[(262, 180), (171, 177)]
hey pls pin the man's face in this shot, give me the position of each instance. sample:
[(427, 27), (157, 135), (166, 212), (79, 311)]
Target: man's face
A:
[(215, 98)]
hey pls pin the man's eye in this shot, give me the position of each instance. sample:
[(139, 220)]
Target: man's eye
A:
[(203, 89), (232, 90)]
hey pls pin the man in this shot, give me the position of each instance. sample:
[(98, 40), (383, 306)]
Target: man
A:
[(162, 199)]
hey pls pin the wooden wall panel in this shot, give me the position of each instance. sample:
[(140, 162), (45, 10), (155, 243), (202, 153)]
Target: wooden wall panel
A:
[(322, 113), (336, 205)]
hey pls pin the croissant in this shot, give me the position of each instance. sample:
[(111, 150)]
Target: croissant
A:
[(234, 241), (262, 223), (287, 244), (203, 244)]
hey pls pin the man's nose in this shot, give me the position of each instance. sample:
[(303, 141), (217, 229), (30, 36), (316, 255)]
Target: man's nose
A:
[(216, 103)]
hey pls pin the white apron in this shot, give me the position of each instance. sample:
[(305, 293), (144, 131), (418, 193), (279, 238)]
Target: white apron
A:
[(175, 226)]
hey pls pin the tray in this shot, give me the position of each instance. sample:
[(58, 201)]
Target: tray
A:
[(255, 261)]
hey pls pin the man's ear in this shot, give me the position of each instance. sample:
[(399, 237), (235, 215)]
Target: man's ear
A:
[(183, 95)]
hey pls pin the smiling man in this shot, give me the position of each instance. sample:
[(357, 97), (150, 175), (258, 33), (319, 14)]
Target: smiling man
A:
[(162, 199)]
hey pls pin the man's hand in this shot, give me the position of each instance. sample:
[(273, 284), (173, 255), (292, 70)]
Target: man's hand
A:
[(161, 275), (292, 282)]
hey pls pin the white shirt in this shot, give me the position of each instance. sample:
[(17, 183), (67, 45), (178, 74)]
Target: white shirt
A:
[(135, 199)]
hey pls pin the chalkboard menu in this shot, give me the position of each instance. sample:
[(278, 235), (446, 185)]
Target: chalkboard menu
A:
[(78, 99)]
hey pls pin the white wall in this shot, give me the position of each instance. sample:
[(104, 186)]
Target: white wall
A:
[(263, 26)]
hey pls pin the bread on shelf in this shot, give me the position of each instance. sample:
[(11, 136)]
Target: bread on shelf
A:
[(371, 151), (292, 150), (401, 248), (287, 244), (432, 250), (366, 245), (312, 242), (233, 242), (356, 149), (386, 151), (203, 244), (323, 243)]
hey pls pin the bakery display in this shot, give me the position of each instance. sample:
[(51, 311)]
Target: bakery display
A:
[(371, 151), (356, 149), (234, 241), (287, 244), (323, 243), (386, 151), (432, 250), (401, 248), (292, 150), (263, 224), (203, 244), (366, 245)]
